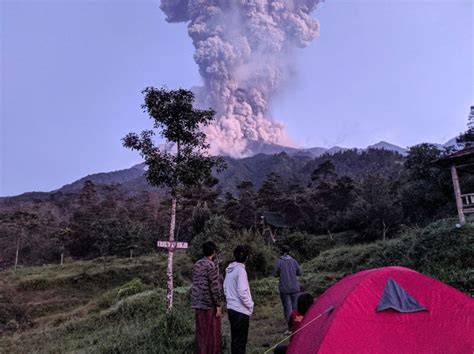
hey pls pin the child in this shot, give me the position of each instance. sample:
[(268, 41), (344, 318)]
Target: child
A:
[(305, 301)]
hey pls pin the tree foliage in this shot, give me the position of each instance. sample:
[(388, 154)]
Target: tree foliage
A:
[(370, 195), (467, 137), (179, 123)]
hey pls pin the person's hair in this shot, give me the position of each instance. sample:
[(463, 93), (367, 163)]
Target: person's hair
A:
[(208, 248), (305, 300), (241, 253), (285, 249)]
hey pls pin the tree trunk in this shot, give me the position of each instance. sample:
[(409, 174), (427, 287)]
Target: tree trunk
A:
[(62, 258), (457, 194), (384, 230), (17, 251), (169, 270)]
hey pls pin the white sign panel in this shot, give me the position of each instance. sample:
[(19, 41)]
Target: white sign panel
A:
[(172, 244)]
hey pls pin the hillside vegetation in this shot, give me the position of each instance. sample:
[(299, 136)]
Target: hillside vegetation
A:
[(114, 305), (369, 195)]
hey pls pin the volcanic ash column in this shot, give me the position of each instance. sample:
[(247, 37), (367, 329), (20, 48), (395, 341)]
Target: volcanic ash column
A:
[(244, 50)]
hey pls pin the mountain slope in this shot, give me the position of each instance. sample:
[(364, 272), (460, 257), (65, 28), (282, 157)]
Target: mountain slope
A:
[(120, 176), (253, 168)]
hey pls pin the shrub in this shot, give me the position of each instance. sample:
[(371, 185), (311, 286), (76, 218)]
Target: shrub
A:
[(133, 287), (439, 250), (149, 329), (218, 230), (12, 315)]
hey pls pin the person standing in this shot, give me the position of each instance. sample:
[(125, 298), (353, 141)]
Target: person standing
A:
[(206, 299), (287, 270), (239, 300)]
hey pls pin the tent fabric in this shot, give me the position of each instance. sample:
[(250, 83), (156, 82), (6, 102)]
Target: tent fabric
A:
[(396, 298), (355, 326)]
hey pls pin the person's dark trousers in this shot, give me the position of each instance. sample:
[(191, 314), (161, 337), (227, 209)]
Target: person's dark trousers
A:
[(288, 300), (239, 330)]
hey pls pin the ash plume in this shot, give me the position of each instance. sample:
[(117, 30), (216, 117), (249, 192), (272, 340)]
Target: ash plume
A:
[(243, 50)]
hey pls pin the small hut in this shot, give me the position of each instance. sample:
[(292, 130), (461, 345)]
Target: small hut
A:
[(462, 159), (271, 222)]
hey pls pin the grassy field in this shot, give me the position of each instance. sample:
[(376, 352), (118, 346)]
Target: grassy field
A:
[(114, 306), (117, 305)]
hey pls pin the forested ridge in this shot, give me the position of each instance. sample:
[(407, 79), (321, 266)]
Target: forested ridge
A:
[(364, 196)]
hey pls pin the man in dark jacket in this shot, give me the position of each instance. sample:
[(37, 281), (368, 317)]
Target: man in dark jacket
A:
[(206, 298), (288, 270)]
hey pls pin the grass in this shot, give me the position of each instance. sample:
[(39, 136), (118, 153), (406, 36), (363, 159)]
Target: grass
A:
[(117, 305)]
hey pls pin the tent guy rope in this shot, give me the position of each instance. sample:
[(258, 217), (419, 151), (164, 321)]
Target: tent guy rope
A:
[(329, 310)]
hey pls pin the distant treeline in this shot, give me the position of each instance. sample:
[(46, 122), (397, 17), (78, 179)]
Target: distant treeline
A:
[(372, 194)]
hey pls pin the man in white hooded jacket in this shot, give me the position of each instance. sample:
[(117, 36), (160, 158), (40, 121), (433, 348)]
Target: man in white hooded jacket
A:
[(239, 300)]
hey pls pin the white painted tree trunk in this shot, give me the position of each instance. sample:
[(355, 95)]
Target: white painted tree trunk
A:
[(169, 270)]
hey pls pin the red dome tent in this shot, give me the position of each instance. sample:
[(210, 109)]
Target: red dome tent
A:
[(388, 310)]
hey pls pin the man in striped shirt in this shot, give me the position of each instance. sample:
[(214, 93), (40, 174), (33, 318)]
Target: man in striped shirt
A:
[(206, 299)]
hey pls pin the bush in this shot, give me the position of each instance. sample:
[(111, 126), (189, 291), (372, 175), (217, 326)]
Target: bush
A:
[(217, 229), (441, 245), (317, 283), (149, 329), (264, 289), (439, 250), (133, 287), (12, 315)]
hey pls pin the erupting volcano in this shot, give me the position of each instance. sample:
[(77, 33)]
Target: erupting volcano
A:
[(244, 52)]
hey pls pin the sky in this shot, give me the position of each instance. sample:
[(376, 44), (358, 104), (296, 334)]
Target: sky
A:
[(72, 72)]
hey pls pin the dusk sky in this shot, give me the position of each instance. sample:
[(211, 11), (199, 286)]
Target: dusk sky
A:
[(72, 74)]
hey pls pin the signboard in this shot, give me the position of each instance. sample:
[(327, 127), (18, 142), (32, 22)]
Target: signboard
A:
[(172, 245)]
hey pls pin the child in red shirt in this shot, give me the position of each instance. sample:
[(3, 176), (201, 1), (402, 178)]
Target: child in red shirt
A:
[(305, 300)]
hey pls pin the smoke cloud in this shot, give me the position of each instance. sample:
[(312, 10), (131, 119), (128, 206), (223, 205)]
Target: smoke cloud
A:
[(243, 50)]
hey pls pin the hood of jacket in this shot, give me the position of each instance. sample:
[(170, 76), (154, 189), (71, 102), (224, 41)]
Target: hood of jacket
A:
[(233, 266)]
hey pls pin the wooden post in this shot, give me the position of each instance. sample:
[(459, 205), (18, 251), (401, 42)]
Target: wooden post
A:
[(169, 269), (457, 194)]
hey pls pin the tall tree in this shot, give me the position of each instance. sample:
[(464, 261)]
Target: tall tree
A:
[(85, 223), (426, 190), (20, 222), (324, 173), (179, 123), (467, 137), (270, 192), (377, 210)]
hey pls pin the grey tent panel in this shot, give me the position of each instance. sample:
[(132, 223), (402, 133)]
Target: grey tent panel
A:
[(396, 298)]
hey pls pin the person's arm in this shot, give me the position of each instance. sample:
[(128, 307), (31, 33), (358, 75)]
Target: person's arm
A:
[(215, 285), (298, 268), (243, 290)]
